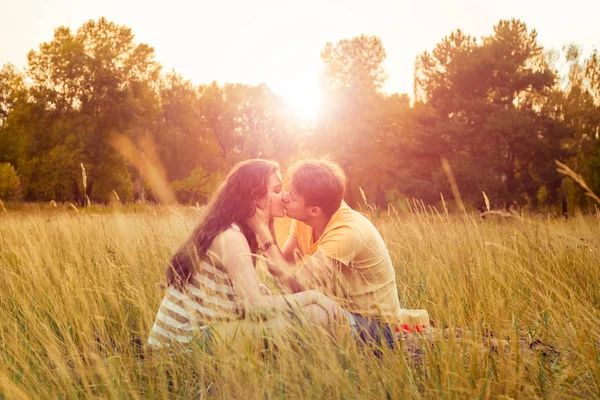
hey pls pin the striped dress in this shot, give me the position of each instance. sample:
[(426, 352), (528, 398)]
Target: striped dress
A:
[(207, 298)]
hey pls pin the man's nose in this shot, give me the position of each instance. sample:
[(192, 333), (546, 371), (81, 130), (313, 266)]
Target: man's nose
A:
[(286, 197)]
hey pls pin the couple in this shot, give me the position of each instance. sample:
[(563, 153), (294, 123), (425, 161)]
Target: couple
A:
[(334, 263)]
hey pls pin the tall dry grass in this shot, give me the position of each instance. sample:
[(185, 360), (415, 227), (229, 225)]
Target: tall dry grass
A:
[(79, 290)]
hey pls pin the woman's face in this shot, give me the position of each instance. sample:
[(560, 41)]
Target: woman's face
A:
[(275, 192)]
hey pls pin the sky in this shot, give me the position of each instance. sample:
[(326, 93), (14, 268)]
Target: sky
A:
[(278, 42)]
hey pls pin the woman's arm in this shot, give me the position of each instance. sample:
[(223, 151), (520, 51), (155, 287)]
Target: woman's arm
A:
[(236, 257), (280, 267)]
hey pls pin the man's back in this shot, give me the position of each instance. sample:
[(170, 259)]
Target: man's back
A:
[(364, 282)]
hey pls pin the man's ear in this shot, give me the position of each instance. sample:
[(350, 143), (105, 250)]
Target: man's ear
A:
[(315, 211)]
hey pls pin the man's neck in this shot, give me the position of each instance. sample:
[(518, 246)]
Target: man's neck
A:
[(318, 225)]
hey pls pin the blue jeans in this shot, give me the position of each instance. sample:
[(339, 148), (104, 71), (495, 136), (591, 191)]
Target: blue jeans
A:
[(371, 332)]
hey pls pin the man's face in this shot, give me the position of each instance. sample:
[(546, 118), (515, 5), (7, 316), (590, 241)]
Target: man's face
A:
[(295, 206)]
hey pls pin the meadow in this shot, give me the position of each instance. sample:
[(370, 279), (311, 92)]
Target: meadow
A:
[(79, 290)]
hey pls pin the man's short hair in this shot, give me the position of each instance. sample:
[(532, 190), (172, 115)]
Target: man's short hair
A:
[(320, 182)]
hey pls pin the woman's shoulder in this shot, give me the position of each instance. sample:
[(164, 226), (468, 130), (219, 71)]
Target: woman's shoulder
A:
[(230, 237), (228, 245)]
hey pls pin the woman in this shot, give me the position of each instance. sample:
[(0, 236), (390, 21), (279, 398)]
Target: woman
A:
[(211, 278)]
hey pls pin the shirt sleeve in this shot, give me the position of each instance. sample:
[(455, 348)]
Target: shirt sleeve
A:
[(342, 244)]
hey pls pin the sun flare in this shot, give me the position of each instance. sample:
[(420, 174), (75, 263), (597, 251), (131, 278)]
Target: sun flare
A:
[(303, 98)]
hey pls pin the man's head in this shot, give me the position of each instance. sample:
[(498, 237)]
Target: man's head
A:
[(316, 189)]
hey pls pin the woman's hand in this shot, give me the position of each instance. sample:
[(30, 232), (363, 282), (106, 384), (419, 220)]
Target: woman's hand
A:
[(330, 306), (264, 290)]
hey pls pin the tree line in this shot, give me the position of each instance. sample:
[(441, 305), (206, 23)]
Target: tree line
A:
[(495, 109)]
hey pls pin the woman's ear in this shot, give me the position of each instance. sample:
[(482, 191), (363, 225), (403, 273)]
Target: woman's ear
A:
[(260, 203)]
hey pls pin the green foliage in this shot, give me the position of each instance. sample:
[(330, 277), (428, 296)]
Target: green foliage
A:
[(197, 187), (12, 90), (491, 106), (487, 116), (113, 175), (580, 112), (9, 181), (56, 174), (85, 87)]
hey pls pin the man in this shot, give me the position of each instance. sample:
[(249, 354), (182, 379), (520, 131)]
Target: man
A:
[(342, 253)]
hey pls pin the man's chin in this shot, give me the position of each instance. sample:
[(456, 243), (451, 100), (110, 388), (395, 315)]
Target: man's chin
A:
[(289, 214)]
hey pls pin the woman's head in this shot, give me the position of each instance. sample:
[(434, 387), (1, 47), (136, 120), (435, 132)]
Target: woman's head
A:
[(249, 185)]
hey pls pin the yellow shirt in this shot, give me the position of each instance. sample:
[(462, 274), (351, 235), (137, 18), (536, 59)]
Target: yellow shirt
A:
[(365, 281)]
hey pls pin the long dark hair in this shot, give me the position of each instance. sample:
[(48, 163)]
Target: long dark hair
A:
[(232, 203)]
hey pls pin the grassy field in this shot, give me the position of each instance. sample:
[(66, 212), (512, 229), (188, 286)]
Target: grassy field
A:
[(79, 290)]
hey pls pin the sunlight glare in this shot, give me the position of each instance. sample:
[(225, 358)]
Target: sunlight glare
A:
[(303, 97)]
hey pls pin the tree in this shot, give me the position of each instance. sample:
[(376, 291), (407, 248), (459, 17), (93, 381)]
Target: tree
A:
[(592, 75), (350, 129), (13, 96), (198, 186), (183, 140), (579, 108), (12, 90), (89, 85), (246, 121), (355, 64), (9, 181), (487, 115), (204, 130)]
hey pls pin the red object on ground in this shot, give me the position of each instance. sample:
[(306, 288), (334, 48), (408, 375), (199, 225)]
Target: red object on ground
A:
[(411, 328)]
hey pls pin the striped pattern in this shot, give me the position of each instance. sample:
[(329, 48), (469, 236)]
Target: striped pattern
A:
[(207, 298)]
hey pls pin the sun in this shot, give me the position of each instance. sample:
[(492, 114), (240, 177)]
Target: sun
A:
[(303, 97)]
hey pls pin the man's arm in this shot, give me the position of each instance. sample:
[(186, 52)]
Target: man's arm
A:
[(318, 273), (315, 273)]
